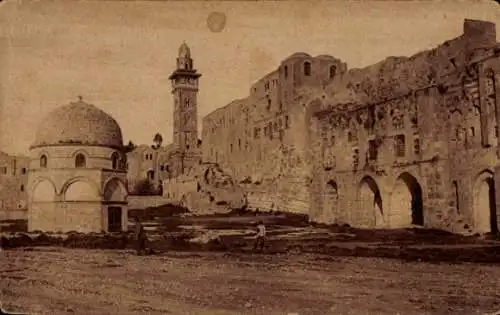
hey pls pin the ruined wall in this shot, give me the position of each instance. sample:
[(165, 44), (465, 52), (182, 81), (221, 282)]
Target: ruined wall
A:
[(261, 141), (403, 141), (473, 134), (387, 134), (366, 157), (205, 189)]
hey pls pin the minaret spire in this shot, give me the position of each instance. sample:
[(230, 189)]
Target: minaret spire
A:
[(185, 89)]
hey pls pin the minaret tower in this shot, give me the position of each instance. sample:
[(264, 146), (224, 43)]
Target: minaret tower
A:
[(185, 89)]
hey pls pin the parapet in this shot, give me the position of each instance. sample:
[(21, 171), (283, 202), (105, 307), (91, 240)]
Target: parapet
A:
[(480, 33)]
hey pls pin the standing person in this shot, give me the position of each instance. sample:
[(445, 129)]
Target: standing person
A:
[(260, 237), (140, 237)]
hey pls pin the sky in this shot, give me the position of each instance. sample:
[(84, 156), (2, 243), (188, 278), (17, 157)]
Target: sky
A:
[(118, 54)]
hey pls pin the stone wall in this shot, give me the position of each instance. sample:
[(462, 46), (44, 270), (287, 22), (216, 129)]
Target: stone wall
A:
[(387, 146), (400, 142), (14, 214), (143, 202), (205, 189), (82, 217), (261, 141)]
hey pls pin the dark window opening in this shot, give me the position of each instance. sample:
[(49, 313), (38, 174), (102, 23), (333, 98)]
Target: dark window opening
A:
[(416, 146), (22, 187), (286, 71), (333, 71), (455, 193), (23, 170), (43, 161), (351, 136), (80, 161), (114, 161), (151, 175), (355, 159), (399, 145), (372, 150), (307, 68)]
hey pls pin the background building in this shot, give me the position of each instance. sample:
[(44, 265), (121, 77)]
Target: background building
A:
[(13, 186)]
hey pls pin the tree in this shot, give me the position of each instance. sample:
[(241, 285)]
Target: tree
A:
[(129, 147), (157, 140), (144, 188)]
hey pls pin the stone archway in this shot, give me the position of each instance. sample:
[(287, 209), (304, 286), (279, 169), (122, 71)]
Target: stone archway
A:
[(406, 202), (485, 214), (370, 204), (331, 201)]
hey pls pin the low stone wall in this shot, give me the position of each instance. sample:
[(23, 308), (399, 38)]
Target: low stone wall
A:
[(13, 214), (142, 202)]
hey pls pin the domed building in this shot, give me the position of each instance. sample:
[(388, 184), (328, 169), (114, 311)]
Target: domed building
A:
[(77, 177)]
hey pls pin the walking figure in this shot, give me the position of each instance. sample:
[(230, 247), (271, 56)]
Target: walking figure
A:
[(260, 237), (140, 237)]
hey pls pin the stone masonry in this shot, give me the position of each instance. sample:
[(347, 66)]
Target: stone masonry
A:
[(406, 141)]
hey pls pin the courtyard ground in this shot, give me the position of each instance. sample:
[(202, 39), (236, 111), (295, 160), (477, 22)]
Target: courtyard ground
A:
[(205, 265), (47, 280)]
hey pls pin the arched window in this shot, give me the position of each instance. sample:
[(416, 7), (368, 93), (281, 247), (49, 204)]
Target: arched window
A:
[(307, 68), (333, 71), (43, 161), (80, 161), (115, 160)]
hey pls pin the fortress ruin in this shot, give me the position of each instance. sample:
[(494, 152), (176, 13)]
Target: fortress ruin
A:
[(406, 141)]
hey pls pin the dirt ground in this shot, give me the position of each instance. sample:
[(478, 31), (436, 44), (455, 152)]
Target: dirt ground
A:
[(47, 280), (287, 233), (205, 265)]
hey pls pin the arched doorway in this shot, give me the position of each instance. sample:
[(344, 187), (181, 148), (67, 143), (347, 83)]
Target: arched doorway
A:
[(406, 202), (370, 204), (330, 208), (485, 214), (114, 219)]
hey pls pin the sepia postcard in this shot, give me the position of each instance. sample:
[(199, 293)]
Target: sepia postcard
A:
[(249, 157)]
